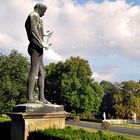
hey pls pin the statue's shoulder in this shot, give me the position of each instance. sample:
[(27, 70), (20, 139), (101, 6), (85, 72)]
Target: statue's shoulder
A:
[(34, 14)]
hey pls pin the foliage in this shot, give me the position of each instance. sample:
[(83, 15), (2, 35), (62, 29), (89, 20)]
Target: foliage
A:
[(70, 83), (71, 134), (121, 99), (127, 99), (107, 102), (13, 73), (5, 127), (4, 118), (76, 118), (106, 125)]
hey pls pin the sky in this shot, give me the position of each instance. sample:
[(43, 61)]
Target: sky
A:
[(106, 33)]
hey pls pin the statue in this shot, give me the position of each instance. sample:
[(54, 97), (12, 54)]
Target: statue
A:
[(104, 116), (134, 116), (35, 34)]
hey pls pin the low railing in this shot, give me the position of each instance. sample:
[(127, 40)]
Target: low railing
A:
[(116, 121)]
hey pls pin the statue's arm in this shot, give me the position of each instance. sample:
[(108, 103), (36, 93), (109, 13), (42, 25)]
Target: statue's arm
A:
[(37, 39)]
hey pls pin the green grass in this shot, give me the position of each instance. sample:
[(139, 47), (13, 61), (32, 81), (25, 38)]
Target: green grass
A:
[(4, 118), (135, 126), (5, 127), (130, 137)]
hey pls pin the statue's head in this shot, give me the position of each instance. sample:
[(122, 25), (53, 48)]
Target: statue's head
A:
[(40, 9)]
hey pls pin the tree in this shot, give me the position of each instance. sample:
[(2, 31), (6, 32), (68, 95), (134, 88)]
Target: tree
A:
[(126, 99), (99, 94), (70, 83), (107, 100), (13, 73), (121, 99)]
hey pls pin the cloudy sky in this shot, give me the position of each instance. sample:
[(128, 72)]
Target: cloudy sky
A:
[(106, 33)]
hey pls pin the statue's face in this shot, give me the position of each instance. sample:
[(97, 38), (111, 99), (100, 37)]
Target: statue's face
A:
[(41, 12)]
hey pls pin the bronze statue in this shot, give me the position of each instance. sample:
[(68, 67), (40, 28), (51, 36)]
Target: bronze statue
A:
[(35, 34)]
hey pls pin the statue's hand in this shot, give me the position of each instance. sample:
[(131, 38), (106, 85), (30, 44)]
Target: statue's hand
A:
[(46, 46), (48, 33)]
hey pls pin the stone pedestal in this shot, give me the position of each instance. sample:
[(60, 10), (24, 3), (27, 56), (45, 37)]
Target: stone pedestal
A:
[(33, 116)]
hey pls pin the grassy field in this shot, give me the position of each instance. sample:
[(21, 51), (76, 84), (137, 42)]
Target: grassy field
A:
[(130, 137), (135, 126)]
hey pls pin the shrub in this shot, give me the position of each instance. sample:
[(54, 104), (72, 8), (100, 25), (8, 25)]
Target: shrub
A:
[(5, 127), (4, 118), (71, 134), (76, 118), (106, 125)]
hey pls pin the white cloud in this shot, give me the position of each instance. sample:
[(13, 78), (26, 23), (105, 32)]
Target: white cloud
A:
[(51, 55), (5, 39), (109, 29), (103, 76), (93, 28)]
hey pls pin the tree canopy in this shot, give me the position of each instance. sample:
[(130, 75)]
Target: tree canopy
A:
[(121, 99), (70, 83), (13, 73)]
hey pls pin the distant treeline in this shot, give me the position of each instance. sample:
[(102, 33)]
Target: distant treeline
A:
[(69, 83)]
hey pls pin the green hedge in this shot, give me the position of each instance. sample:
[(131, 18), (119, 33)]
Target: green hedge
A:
[(57, 134), (72, 134), (5, 128)]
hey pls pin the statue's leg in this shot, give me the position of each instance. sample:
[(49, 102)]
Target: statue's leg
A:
[(41, 77), (41, 80), (35, 62)]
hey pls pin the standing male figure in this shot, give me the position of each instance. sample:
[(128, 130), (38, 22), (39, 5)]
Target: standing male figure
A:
[(34, 29)]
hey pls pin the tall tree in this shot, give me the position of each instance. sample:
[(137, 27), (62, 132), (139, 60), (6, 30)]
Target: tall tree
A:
[(70, 83), (13, 73), (126, 99), (121, 99), (107, 102)]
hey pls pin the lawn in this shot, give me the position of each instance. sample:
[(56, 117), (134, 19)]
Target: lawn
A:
[(130, 137), (135, 126)]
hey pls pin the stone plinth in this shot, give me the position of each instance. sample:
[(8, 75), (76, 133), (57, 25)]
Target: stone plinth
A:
[(38, 107), (33, 116)]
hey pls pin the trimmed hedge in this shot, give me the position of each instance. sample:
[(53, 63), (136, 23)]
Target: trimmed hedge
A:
[(57, 134), (71, 134), (5, 128)]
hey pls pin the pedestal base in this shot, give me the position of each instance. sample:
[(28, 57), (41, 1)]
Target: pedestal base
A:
[(25, 122)]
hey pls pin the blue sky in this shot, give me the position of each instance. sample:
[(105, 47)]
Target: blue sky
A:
[(106, 33), (137, 2)]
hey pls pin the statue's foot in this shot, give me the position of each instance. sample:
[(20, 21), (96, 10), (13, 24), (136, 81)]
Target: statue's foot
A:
[(45, 101), (30, 101)]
